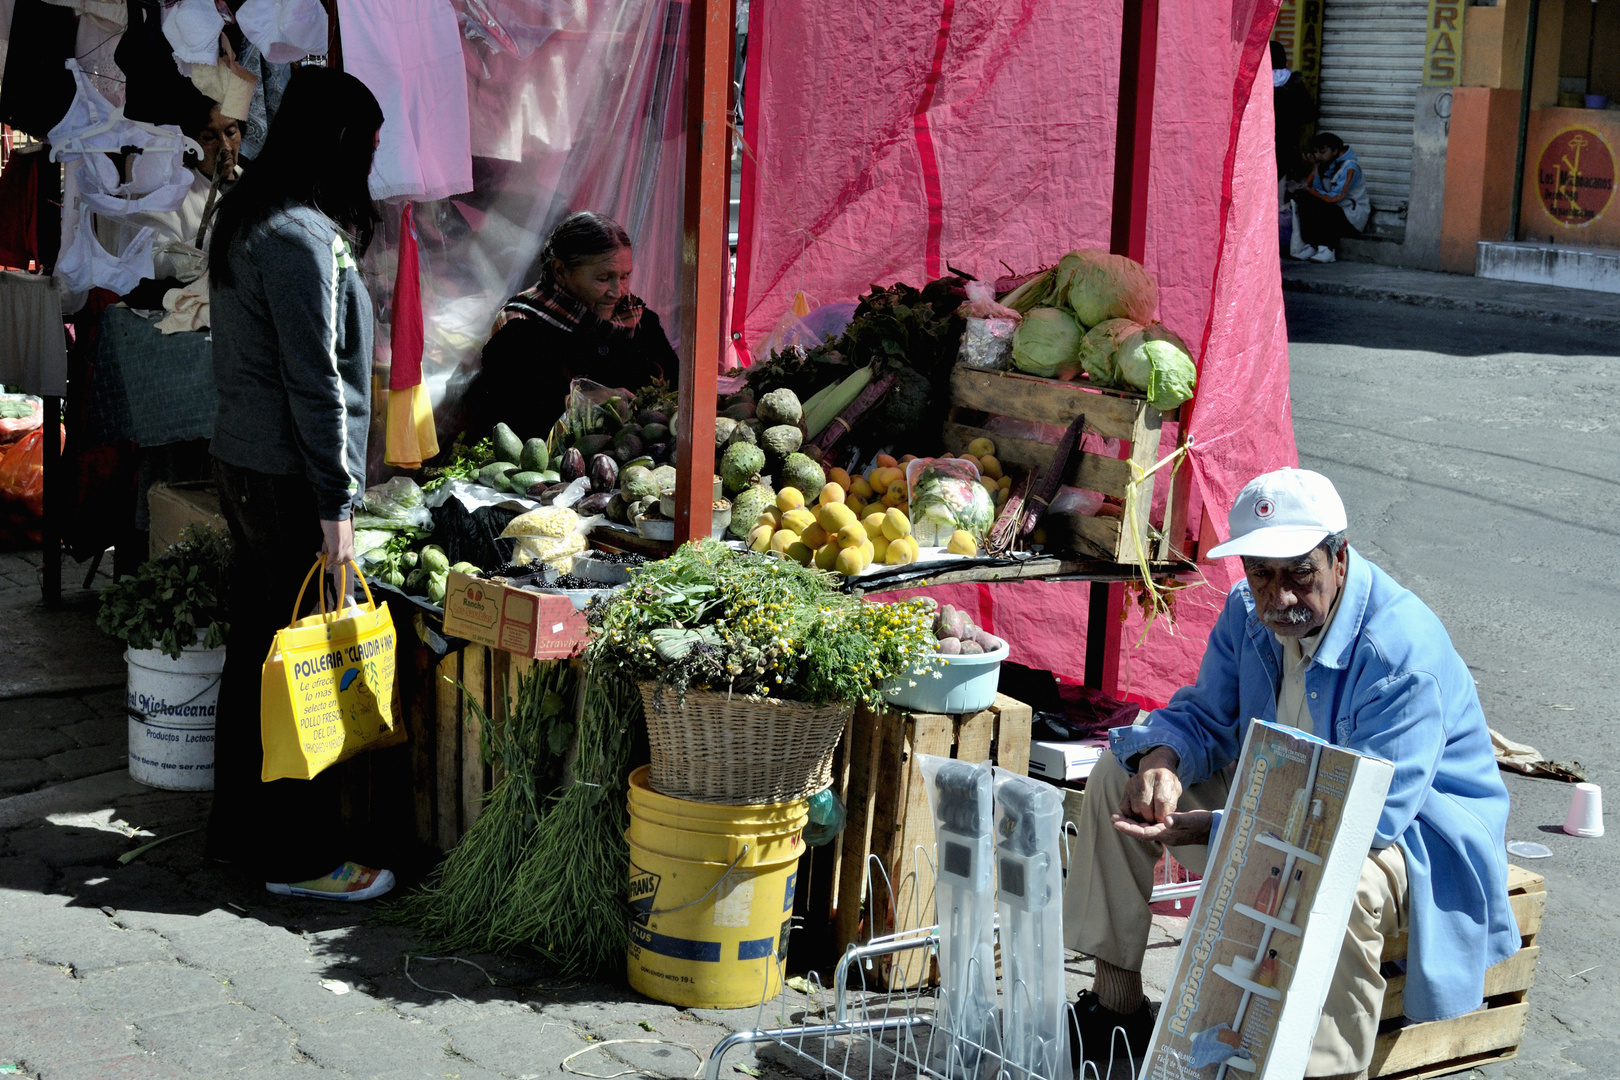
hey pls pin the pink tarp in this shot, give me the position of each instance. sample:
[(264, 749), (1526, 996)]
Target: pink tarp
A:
[(885, 143)]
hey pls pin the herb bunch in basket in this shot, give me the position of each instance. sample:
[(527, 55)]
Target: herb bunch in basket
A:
[(709, 618)]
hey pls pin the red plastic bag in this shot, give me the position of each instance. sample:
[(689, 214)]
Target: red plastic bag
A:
[(22, 470)]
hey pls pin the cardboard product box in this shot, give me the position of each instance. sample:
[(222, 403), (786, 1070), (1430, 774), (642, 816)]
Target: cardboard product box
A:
[(1265, 933), (1060, 761), (174, 506), (541, 626)]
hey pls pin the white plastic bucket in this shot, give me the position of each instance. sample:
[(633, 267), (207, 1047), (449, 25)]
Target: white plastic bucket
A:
[(171, 717)]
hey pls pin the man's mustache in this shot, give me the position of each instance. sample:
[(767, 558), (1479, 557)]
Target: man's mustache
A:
[(1294, 616)]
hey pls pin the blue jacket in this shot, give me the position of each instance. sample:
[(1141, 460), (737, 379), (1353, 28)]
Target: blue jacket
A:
[(1386, 682)]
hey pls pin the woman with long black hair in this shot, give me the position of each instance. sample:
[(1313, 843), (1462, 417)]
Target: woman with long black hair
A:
[(292, 327)]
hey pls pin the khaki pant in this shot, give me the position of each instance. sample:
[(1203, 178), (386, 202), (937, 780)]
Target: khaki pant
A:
[(1105, 912)]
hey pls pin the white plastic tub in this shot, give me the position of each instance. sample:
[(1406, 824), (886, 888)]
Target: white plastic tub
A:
[(171, 717), (964, 684)]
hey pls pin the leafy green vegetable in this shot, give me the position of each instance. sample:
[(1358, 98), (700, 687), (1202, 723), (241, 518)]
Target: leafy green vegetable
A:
[(1047, 343), (165, 603), (1155, 360), (464, 463)]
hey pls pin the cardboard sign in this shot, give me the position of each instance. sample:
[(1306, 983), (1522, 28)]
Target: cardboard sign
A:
[(1265, 934), (541, 626)]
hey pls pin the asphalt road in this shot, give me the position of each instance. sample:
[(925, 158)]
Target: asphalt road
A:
[(1479, 460)]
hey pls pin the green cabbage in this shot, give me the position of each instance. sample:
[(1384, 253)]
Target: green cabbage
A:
[(1047, 343), (1156, 361), (1098, 347), (1098, 286)]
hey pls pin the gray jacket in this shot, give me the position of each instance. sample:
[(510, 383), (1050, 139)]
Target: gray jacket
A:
[(292, 357)]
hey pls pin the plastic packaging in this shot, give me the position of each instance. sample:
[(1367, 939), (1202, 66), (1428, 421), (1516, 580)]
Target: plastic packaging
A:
[(945, 496), (397, 506), (965, 1024), (987, 344), (1029, 823), (827, 818)]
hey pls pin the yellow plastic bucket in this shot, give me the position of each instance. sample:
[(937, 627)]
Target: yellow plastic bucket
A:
[(710, 832), (710, 933)]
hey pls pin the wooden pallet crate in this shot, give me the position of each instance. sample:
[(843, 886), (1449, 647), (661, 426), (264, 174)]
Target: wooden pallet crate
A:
[(1112, 414), (1492, 1033), (878, 776)]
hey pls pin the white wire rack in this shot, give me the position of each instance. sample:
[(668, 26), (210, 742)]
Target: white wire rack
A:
[(853, 1031)]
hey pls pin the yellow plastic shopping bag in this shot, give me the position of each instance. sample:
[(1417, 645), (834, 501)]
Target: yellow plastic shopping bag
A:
[(328, 687)]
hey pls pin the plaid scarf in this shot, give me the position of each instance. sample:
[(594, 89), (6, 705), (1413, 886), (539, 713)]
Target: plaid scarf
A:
[(550, 302)]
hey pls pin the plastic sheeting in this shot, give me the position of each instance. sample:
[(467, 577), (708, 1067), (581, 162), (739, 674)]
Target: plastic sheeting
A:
[(574, 106), (981, 135)]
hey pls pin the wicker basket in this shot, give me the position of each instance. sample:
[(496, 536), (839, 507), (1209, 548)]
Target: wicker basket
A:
[(739, 750)]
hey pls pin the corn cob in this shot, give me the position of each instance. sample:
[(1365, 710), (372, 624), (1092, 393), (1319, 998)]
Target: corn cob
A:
[(823, 410)]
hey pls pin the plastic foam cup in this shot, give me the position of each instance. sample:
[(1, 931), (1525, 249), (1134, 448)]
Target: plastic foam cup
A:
[(1585, 811)]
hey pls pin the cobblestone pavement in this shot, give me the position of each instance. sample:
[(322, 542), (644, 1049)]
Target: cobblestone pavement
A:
[(172, 966)]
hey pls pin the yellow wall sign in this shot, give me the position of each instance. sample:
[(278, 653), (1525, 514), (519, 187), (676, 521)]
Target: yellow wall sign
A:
[(1442, 51)]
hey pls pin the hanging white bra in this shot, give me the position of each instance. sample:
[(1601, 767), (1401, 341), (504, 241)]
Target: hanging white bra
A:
[(93, 128), (84, 263)]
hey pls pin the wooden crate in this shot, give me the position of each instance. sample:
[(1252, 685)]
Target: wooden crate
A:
[(1112, 414), (448, 776), (889, 817), (1492, 1033)]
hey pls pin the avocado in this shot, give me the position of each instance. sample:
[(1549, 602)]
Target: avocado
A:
[(534, 457), (508, 447), (524, 480), (494, 474), (591, 445)]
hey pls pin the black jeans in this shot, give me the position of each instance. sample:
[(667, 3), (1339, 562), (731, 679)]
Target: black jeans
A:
[(1321, 224), (285, 830)]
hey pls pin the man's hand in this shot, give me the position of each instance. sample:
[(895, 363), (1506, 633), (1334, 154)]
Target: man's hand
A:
[(1176, 830), (1151, 795)]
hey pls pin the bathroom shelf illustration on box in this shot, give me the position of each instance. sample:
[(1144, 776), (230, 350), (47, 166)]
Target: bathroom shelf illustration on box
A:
[(1263, 939)]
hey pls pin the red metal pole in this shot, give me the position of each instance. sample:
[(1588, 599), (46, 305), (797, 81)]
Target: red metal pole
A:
[(708, 158), (1133, 144), (1133, 136)]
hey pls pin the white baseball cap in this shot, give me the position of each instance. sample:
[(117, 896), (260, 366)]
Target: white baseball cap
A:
[(1282, 514)]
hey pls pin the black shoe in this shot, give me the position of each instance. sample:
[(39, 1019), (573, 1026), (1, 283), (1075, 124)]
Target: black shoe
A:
[(1096, 1035)]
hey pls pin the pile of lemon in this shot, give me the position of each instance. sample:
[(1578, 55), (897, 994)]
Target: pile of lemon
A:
[(831, 534)]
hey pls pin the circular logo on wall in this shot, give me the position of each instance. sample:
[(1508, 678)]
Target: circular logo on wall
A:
[(1575, 176), (1263, 508)]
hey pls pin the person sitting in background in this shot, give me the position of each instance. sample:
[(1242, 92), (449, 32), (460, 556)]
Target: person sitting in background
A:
[(1332, 204), (1295, 111), (180, 236), (580, 320)]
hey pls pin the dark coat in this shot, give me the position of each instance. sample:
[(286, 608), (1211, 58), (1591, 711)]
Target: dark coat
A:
[(529, 363)]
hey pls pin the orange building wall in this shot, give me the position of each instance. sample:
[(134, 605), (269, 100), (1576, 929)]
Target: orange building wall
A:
[(1479, 187)]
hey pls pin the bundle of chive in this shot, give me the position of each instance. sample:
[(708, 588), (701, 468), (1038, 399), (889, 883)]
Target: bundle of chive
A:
[(543, 868)]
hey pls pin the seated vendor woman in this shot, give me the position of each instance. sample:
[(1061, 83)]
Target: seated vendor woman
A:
[(580, 320)]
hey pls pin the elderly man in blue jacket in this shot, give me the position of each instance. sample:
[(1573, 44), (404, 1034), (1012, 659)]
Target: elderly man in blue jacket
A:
[(1319, 638)]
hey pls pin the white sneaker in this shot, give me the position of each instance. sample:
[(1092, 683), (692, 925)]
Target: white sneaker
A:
[(1323, 254), (1304, 253)]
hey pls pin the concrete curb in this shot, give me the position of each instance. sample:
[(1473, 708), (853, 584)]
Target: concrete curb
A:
[(1418, 298)]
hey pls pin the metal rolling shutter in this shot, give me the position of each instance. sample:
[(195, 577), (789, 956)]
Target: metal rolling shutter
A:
[(1372, 67)]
